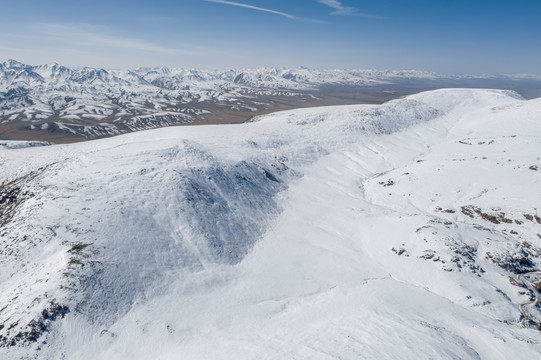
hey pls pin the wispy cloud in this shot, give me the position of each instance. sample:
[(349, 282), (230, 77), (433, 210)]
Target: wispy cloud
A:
[(14, 49), (340, 9), (270, 11), (247, 6), (89, 35), (83, 44)]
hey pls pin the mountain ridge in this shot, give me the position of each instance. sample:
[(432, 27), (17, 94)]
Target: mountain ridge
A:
[(48, 102)]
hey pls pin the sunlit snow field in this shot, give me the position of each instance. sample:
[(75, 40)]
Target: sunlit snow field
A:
[(327, 233)]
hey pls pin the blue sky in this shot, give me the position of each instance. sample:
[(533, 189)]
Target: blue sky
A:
[(447, 36)]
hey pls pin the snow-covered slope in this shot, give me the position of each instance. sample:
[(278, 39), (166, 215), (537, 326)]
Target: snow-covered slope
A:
[(409, 230), (138, 99), (51, 100)]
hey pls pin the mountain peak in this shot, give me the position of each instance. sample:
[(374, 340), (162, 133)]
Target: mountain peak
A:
[(13, 64)]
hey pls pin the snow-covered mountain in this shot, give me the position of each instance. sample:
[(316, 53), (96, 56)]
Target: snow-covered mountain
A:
[(88, 103), (409, 230)]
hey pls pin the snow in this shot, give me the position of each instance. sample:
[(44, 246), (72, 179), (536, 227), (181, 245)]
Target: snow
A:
[(51, 92), (310, 234)]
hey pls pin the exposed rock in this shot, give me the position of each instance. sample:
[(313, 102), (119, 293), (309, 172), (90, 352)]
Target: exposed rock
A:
[(35, 328)]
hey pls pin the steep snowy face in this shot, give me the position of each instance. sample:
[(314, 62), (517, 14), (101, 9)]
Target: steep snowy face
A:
[(281, 236)]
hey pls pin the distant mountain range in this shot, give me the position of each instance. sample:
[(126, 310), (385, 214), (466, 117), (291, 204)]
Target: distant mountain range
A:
[(90, 103)]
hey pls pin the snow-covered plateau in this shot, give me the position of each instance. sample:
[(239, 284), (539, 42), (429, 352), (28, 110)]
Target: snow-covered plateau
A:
[(408, 230)]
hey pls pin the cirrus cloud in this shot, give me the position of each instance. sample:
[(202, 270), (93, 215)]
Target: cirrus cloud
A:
[(270, 11), (340, 9)]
